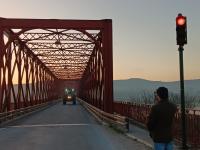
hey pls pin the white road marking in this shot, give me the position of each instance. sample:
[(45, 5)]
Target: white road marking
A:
[(2, 129), (47, 125)]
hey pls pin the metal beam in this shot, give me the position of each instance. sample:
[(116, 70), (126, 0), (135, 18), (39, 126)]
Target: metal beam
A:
[(51, 24)]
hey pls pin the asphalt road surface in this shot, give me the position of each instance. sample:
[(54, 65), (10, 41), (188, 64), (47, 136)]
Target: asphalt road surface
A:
[(63, 127)]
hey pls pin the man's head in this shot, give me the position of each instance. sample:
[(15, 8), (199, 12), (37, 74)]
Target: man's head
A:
[(162, 92)]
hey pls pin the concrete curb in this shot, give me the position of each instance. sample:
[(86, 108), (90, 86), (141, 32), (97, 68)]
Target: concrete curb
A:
[(139, 140)]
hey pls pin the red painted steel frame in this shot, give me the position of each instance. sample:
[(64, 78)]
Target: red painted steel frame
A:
[(43, 53), (97, 82)]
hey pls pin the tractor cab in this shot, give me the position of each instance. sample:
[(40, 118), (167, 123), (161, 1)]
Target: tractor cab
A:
[(69, 96)]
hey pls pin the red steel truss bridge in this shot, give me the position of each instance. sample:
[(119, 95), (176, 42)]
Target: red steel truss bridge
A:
[(40, 57)]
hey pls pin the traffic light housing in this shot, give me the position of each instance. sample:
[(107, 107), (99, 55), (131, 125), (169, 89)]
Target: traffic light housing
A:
[(181, 30)]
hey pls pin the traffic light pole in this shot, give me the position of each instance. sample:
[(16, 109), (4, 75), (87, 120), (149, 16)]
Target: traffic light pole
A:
[(183, 118)]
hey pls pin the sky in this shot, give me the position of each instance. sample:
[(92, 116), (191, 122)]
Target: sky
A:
[(144, 34)]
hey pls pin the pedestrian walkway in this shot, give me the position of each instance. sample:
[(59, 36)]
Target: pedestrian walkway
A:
[(141, 135)]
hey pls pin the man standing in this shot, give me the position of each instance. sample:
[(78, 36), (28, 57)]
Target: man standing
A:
[(160, 121)]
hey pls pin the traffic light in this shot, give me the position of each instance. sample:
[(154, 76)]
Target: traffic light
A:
[(181, 30)]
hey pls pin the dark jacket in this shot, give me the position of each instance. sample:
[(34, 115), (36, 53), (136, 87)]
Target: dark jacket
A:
[(160, 121)]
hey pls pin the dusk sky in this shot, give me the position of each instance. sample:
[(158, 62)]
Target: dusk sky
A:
[(144, 34)]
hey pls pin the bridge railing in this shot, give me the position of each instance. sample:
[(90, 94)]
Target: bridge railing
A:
[(10, 115), (118, 121), (140, 112)]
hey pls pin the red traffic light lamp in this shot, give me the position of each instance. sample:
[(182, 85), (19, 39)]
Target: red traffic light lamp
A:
[(181, 20), (181, 30)]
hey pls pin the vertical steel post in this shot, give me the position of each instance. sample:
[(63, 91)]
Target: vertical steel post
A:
[(37, 83), (40, 84), (184, 140), (1, 68), (9, 77), (108, 64), (26, 66), (19, 95), (33, 81), (30, 81), (48, 88), (100, 75), (96, 77), (43, 83)]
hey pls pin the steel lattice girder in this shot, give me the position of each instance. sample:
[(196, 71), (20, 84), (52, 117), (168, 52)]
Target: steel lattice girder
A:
[(61, 47), (50, 49), (34, 81)]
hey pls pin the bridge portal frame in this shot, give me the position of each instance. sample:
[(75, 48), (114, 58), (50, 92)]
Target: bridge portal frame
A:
[(96, 84)]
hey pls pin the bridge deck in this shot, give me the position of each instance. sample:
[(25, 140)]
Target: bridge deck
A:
[(63, 127)]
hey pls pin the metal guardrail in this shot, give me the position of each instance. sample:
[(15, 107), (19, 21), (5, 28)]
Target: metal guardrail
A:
[(7, 116), (119, 122)]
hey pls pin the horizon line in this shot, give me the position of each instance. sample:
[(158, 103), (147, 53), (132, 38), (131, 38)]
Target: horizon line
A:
[(158, 80)]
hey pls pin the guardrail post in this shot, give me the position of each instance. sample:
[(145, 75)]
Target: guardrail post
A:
[(127, 123)]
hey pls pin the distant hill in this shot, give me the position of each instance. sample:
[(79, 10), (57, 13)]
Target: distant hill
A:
[(132, 88)]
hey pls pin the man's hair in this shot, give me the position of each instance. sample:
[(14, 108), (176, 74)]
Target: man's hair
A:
[(162, 92)]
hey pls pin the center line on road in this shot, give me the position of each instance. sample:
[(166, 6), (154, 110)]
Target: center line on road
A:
[(47, 125)]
